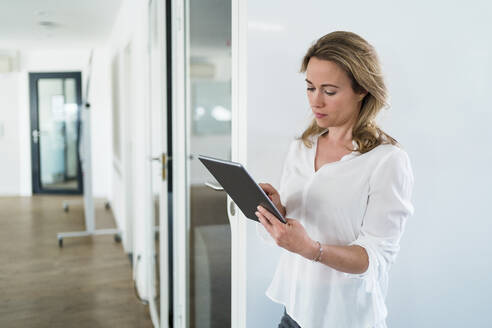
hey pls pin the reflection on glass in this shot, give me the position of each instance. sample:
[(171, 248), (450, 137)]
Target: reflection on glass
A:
[(210, 97), (156, 264), (58, 117), (211, 102)]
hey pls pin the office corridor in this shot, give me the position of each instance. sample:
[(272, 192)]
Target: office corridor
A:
[(87, 283)]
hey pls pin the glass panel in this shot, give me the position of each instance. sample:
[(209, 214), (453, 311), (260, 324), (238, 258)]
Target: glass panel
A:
[(209, 235), (58, 117), (211, 105)]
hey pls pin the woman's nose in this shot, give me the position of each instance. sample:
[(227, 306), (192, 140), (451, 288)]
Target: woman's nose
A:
[(317, 99)]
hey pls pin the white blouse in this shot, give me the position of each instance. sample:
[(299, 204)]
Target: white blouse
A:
[(363, 199)]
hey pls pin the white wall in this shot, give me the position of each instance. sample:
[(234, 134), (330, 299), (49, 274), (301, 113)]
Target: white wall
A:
[(128, 192), (9, 135), (437, 63)]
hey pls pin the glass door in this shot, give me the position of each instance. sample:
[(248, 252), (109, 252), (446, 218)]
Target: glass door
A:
[(203, 275), (55, 130), (209, 121)]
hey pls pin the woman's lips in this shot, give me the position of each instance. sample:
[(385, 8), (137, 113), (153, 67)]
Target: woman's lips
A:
[(318, 115)]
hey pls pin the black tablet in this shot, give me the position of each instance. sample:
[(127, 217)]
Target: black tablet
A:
[(240, 186)]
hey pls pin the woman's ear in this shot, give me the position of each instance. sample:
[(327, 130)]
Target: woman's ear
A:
[(361, 95)]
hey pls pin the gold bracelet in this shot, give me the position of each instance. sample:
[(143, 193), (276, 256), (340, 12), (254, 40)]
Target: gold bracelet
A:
[(320, 252)]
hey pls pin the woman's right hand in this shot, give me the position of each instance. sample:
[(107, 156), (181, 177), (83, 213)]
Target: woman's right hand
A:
[(274, 196)]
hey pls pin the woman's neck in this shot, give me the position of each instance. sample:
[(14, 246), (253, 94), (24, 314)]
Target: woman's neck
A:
[(339, 135)]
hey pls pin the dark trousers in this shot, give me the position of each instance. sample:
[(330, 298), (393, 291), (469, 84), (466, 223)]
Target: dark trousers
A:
[(287, 322)]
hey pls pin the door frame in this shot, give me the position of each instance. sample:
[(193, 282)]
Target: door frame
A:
[(239, 153), (180, 148), (34, 114), (167, 250), (157, 14)]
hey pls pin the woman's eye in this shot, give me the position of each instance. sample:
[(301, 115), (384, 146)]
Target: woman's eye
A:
[(311, 89), (329, 93)]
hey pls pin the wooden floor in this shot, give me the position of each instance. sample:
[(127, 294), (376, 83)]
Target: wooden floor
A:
[(87, 283)]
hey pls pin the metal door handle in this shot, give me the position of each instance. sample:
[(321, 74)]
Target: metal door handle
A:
[(159, 159), (232, 208), (214, 186), (163, 160)]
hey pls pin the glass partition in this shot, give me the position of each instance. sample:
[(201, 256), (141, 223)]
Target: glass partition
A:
[(209, 243)]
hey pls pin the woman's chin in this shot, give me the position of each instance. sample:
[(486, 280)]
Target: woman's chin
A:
[(322, 123)]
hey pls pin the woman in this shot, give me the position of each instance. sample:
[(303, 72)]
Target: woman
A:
[(345, 188)]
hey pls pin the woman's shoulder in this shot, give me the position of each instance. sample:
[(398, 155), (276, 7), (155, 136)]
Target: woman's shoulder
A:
[(297, 144), (391, 157), (387, 150)]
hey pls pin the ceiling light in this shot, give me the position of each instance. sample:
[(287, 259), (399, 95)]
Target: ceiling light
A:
[(48, 24)]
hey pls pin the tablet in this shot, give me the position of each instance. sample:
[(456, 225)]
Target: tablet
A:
[(240, 186)]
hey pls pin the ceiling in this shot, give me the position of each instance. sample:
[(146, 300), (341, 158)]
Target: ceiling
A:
[(28, 24)]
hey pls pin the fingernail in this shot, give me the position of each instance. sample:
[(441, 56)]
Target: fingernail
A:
[(259, 207), (257, 213)]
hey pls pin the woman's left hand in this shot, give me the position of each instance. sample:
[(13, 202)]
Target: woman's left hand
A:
[(292, 236)]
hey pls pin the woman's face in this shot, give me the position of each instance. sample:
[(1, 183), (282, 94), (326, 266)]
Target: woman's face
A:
[(330, 94)]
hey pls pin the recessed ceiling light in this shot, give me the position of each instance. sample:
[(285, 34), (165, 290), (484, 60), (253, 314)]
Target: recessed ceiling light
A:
[(48, 24)]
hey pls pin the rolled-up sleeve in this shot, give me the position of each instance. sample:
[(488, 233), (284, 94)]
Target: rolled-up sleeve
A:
[(388, 208)]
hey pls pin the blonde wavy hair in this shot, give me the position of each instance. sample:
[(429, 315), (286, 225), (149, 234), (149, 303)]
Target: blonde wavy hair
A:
[(359, 60)]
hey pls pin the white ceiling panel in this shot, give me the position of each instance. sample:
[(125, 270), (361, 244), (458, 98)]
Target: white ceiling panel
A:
[(56, 23)]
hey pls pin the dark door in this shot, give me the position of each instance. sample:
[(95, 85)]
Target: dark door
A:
[(55, 100)]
